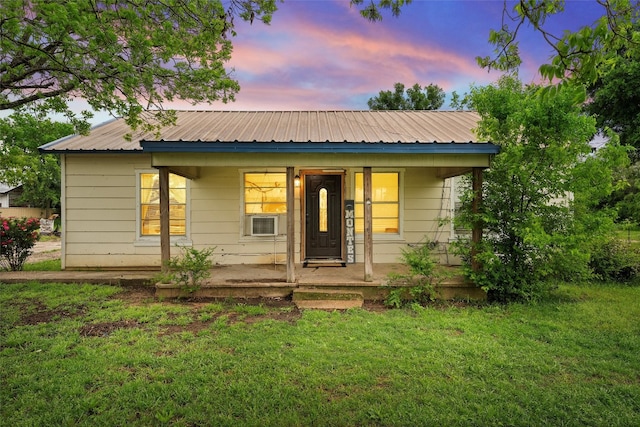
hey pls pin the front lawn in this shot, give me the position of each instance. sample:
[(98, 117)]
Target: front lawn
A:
[(103, 356), (629, 234)]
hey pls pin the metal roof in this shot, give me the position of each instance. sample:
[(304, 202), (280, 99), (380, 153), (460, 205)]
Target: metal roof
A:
[(217, 131), (6, 188)]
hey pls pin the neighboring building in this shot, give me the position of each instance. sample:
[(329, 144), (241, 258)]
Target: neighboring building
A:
[(265, 187), (9, 195)]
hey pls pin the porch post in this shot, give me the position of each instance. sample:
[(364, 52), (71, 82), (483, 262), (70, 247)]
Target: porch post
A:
[(291, 273), (368, 225), (165, 239), (476, 234)]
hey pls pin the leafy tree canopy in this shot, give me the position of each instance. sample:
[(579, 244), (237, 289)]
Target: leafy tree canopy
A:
[(579, 54), (614, 98), (431, 98), (22, 164), (540, 194), (625, 198), (123, 56), (373, 10)]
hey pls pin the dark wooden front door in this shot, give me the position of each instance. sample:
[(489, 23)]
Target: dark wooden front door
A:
[(323, 211)]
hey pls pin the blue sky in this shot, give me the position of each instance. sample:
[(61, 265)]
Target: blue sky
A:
[(321, 54)]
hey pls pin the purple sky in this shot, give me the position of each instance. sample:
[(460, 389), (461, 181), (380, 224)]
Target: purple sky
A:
[(321, 54)]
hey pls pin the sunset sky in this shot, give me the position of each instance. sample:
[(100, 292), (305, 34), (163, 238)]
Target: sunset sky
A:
[(321, 54)]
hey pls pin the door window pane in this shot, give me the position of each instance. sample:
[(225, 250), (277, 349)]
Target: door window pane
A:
[(322, 214)]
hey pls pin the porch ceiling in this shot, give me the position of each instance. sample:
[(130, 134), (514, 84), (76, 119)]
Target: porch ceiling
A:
[(448, 164)]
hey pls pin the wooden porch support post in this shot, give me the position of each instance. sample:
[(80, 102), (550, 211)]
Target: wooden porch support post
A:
[(291, 273), (476, 234), (368, 225), (165, 238)]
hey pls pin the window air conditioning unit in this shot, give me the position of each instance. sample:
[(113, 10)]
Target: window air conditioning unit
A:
[(264, 225)]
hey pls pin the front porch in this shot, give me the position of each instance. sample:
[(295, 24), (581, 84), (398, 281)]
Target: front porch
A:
[(270, 281)]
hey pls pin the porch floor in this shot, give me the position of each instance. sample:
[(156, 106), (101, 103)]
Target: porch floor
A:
[(305, 276)]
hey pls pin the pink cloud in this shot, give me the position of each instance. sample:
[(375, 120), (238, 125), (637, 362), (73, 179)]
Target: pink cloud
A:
[(307, 62), (322, 54)]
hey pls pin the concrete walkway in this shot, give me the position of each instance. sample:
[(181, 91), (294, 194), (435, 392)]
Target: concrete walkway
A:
[(242, 280), (229, 275)]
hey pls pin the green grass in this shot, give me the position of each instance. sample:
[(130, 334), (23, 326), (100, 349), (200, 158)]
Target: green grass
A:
[(570, 361), (48, 265), (630, 234), (48, 238)]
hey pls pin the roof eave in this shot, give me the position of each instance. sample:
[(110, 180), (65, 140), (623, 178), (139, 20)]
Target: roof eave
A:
[(320, 147), (87, 151)]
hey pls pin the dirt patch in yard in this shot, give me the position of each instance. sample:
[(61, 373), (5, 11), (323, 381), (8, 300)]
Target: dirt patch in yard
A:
[(36, 313), (232, 311), (202, 313), (104, 329)]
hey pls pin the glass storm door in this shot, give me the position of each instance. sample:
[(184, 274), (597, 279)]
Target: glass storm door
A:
[(323, 222)]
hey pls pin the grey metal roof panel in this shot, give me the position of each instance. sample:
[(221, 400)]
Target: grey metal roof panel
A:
[(5, 188), (284, 126)]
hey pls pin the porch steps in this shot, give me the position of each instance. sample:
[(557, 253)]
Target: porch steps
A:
[(327, 299), (458, 288), (329, 262)]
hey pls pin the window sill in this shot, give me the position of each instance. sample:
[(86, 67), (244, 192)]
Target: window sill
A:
[(155, 241), (253, 239), (382, 238)]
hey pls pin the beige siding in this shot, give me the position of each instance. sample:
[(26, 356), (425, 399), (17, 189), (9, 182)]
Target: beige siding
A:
[(426, 204), (107, 226), (100, 215), (99, 212), (425, 201), (215, 207), (217, 220)]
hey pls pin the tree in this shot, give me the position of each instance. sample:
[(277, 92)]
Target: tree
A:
[(541, 190), (415, 98), (578, 55), (614, 99), (625, 198), (22, 163), (373, 11), (124, 56)]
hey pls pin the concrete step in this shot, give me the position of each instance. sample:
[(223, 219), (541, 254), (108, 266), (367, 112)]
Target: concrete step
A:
[(327, 299)]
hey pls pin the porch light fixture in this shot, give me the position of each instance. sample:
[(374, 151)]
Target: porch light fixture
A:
[(296, 180)]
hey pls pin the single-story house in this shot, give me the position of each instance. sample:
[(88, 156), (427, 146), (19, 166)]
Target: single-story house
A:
[(287, 187)]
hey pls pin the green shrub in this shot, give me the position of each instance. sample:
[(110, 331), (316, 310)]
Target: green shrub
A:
[(527, 279), (416, 286), (615, 259), (17, 238), (190, 268)]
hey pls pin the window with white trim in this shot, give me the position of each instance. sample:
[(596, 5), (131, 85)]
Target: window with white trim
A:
[(149, 193), (385, 202)]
